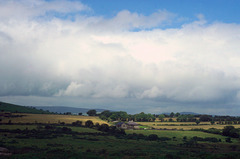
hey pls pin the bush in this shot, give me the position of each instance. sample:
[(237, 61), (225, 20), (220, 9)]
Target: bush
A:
[(77, 123), (185, 138), (103, 127), (66, 129), (153, 137), (230, 131), (211, 139), (89, 123), (228, 140), (49, 127), (164, 138)]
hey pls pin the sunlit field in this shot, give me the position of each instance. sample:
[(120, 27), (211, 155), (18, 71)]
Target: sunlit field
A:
[(51, 119), (183, 125)]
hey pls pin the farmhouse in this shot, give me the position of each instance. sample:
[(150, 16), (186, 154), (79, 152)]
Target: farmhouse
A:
[(128, 125)]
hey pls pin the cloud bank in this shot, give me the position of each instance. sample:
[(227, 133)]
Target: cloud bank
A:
[(53, 50)]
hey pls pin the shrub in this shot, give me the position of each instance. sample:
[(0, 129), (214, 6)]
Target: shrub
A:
[(77, 123), (66, 129), (211, 139), (164, 138), (230, 131), (228, 140), (48, 127), (104, 127), (185, 138), (152, 137), (89, 123)]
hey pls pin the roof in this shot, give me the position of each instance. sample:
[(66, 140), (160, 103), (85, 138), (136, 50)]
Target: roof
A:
[(132, 123), (119, 123)]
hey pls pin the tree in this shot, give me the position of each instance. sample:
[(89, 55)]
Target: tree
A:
[(227, 129), (161, 117), (89, 123), (77, 123), (68, 113), (177, 114), (80, 113), (104, 127), (92, 112), (171, 115), (205, 118), (230, 131), (105, 114), (197, 122), (182, 118)]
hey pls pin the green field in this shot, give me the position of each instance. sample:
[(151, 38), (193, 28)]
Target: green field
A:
[(44, 136), (183, 125), (179, 134), (89, 145)]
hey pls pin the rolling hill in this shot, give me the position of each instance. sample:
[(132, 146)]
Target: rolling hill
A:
[(64, 109), (13, 108)]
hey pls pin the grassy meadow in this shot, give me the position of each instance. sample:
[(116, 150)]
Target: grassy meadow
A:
[(178, 135), (91, 143), (34, 140), (184, 125), (51, 118)]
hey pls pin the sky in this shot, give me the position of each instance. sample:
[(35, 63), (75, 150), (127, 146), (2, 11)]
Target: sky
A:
[(141, 55)]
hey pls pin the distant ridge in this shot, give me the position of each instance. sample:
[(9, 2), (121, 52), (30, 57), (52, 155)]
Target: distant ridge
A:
[(191, 113), (183, 113), (64, 109), (13, 108)]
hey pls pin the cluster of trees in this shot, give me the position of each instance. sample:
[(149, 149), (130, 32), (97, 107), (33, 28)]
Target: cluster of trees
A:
[(231, 131), (123, 116), (202, 118), (103, 127), (143, 117)]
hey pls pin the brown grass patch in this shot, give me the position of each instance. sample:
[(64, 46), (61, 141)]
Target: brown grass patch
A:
[(52, 118)]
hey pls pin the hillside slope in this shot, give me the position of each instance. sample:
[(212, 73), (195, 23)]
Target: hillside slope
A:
[(7, 107), (64, 109)]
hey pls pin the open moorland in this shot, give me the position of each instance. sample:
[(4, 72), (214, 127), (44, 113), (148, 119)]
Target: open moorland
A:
[(44, 141), (24, 135)]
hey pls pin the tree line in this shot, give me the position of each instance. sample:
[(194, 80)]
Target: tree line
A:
[(123, 116)]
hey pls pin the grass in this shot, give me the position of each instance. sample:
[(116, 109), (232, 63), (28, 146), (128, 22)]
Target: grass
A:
[(7, 107), (52, 118), (80, 146), (21, 127), (30, 127), (178, 134), (183, 125)]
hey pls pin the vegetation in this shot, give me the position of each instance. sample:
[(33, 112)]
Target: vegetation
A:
[(92, 112), (51, 118), (123, 116), (56, 141), (75, 136), (231, 131), (6, 107)]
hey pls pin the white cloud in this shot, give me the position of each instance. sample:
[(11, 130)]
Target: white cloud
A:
[(99, 58), (125, 20), (24, 9), (152, 93)]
